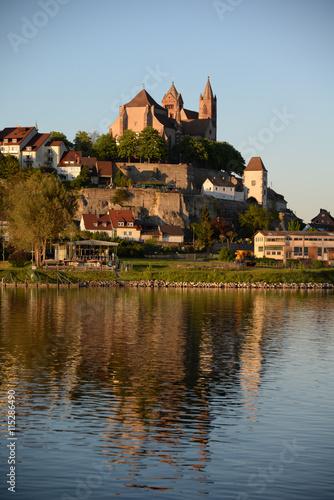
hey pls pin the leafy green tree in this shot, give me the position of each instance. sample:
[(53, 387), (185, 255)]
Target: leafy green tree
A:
[(226, 255), (9, 166), (128, 144), (38, 209), (151, 145), (204, 231), (59, 136), (105, 147), (120, 179), (255, 219), (294, 225), (82, 180), (83, 143)]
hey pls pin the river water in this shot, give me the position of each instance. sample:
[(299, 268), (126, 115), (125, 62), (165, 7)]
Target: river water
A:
[(167, 394)]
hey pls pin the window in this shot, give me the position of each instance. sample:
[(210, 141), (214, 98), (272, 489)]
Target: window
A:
[(125, 233), (298, 251), (260, 249), (130, 233), (120, 223), (136, 123), (306, 251), (253, 183), (319, 252)]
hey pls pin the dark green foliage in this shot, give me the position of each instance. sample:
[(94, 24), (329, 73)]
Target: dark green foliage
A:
[(204, 231), (59, 136), (83, 143), (255, 219), (226, 255), (9, 166), (294, 225), (151, 145), (105, 147), (128, 144), (215, 155), (130, 249), (82, 180), (316, 264), (19, 257)]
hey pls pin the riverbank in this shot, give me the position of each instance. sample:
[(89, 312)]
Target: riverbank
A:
[(162, 273)]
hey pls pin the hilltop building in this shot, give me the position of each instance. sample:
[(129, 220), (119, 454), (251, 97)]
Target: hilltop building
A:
[(171, 119), (323, 221), (256, 180)]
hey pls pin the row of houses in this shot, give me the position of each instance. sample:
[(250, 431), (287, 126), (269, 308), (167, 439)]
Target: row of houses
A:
[(121, 224), (34, 149)]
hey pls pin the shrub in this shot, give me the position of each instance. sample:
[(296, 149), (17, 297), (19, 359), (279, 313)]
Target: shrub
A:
[(18, 258), (120, 197), (130, 249), (226, 255), (317, 264)]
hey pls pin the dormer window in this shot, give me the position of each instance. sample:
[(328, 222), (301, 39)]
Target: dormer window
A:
[(29, 148), (14, 140), (120, 223), (5, 140), (104, 224), (96, 224), (130, 224)]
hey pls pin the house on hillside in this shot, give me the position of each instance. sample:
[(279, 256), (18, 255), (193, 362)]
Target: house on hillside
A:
[(275, 201), (116, 223), (100, 171), (323, 221), (282, 245), (171, 234), (70, 165)]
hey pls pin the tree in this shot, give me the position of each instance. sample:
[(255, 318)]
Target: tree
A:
[(128, 144), (294, 225), (59, 136), (105, 147), (9, 166), (255, 219), (83, 143), (38, 209), (226, 255), (215, 155), (204, 230), (151, 145), (82, 180)]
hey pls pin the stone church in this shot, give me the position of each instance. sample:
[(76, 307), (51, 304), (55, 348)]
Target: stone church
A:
[(171, 119)]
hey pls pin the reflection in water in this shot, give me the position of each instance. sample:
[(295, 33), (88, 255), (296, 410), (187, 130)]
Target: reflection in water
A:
[(147, 380)]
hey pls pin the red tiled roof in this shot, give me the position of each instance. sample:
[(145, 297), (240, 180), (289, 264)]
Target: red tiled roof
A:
[(103, 222), (221, 182), (142, 99), (18, 133), (255, 163), (104, 168), (71, 156), (36, 142), (56, 143)]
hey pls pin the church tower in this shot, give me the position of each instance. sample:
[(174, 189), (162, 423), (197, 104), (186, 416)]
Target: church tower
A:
[(173, 103), (208, 104)]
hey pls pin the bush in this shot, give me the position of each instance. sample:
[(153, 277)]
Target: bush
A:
[(120, 197), (317, 264), (18, 258), (130, 249), (226, 255)]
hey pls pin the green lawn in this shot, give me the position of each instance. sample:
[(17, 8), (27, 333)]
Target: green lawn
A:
[(172, 270)]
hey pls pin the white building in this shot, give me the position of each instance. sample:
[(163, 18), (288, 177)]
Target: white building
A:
[(256, 180)]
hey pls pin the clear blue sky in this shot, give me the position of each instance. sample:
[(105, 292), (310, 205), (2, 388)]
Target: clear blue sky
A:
[(69, 64)]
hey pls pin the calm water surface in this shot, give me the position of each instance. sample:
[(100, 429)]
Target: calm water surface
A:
[(168, 393)]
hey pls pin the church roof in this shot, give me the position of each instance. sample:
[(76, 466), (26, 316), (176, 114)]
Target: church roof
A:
[(196, 127), (143, 99), (208, 94), (173, 91), (255, 163)]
